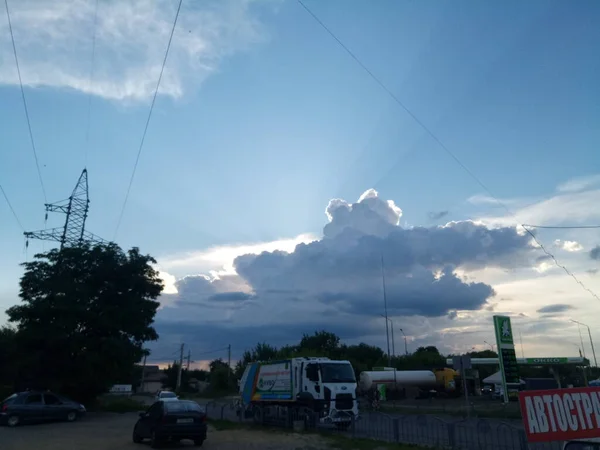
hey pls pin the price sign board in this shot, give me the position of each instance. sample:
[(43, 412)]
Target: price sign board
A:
[(506, 354)]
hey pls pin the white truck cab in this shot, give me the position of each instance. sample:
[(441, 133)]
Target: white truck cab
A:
[(322, 385)]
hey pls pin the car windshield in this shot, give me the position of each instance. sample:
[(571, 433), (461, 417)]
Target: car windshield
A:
[(337, 373), (168, 395), (186, 406)]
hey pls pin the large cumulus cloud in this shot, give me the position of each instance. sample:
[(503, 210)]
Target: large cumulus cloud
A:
[(336, 282), (345, 267)]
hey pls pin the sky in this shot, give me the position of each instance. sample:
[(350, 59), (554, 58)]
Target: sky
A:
[(276, 172)]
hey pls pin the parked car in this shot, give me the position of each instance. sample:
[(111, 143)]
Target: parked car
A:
[(166, 396), (171, 421), (583, 444), (38, 406)]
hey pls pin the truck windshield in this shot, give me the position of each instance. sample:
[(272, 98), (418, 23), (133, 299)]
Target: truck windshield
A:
[(337, 373)]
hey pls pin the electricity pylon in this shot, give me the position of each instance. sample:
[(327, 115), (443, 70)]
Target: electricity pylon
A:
[(76, 209)]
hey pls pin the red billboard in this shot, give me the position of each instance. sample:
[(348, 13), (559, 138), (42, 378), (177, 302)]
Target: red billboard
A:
[(561, 414)]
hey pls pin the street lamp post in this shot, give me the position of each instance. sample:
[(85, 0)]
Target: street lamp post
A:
[(387, 332), (591, 341), (405, 344), (491, 345), (393, 340)]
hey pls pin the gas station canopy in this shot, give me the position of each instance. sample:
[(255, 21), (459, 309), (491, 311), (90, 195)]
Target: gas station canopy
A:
[(558, 361)]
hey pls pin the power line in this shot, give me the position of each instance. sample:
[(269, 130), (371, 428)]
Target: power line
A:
[(137, 159), (37, 164), (11, 208), (92, 66), (574, 227), (441, 144)]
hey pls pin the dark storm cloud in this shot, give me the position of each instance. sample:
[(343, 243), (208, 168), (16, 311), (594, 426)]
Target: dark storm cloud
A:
[(336, 283), (231, 297), (421, 294), (595, 253), (556, 308), (360, 235)]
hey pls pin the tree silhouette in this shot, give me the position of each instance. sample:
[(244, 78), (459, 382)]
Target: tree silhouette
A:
[(85, 314)]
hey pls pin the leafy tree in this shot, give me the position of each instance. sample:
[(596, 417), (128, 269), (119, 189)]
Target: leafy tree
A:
[(85, 313), (324, 342), (8, 358), (221, 376)]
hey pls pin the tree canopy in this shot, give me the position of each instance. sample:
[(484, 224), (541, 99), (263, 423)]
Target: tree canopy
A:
[(85, 313)]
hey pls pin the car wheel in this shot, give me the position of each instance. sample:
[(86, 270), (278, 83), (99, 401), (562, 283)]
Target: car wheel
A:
[(198, 442), (137, 439), (154, 442), (71, 416), (13, 421)]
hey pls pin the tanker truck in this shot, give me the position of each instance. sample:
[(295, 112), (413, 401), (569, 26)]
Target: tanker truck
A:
[(443, 381), (320, 387)]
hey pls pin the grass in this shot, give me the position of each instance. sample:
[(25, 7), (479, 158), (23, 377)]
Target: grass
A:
[(119, 405), (338, 441), (334, 440)]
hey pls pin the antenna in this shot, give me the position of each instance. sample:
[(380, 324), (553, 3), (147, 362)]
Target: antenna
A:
[(76, 208)]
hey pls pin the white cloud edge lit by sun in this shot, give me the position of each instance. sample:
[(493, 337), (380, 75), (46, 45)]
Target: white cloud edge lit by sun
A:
[(54, 44), (218, 261)]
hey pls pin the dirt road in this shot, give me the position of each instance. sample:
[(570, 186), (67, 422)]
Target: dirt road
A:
[(113, 432)]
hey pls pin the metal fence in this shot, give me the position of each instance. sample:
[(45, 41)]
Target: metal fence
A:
[(423, 430)]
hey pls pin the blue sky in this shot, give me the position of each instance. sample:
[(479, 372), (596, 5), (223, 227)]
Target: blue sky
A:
[(263, 117)]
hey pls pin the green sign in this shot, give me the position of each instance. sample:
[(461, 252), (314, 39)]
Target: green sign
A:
[(546, 361), (506, 353), (503, 330)]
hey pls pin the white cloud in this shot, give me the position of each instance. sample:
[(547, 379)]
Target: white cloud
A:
[(579, 183), (218, 261), (54, 44), (569, 246), (563, 209)]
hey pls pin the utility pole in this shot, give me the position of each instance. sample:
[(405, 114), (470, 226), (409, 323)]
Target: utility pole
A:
[(143, 373), (521, 340), (189, 357), (405, 344), (229, 365), (387, 328), (178, 386), (393, 339)]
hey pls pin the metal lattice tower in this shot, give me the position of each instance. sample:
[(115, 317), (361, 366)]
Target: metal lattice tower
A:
[(76, 208)]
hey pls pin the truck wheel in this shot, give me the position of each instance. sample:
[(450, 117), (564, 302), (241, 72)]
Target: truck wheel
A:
[(258, 414)]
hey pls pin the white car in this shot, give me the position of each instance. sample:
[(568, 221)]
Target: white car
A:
[(166, 396)]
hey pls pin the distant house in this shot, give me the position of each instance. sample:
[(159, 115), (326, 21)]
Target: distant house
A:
[(153, 379)]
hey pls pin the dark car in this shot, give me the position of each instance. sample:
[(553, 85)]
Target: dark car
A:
[(38, 406), (171, 421)]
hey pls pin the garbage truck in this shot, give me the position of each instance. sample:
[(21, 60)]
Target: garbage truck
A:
[(307, 386)]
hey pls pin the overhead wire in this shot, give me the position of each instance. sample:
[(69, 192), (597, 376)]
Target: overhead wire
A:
[(137, 159), (91, 79), (552, 227), (11, 208), (442, 145), (14, 47)]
